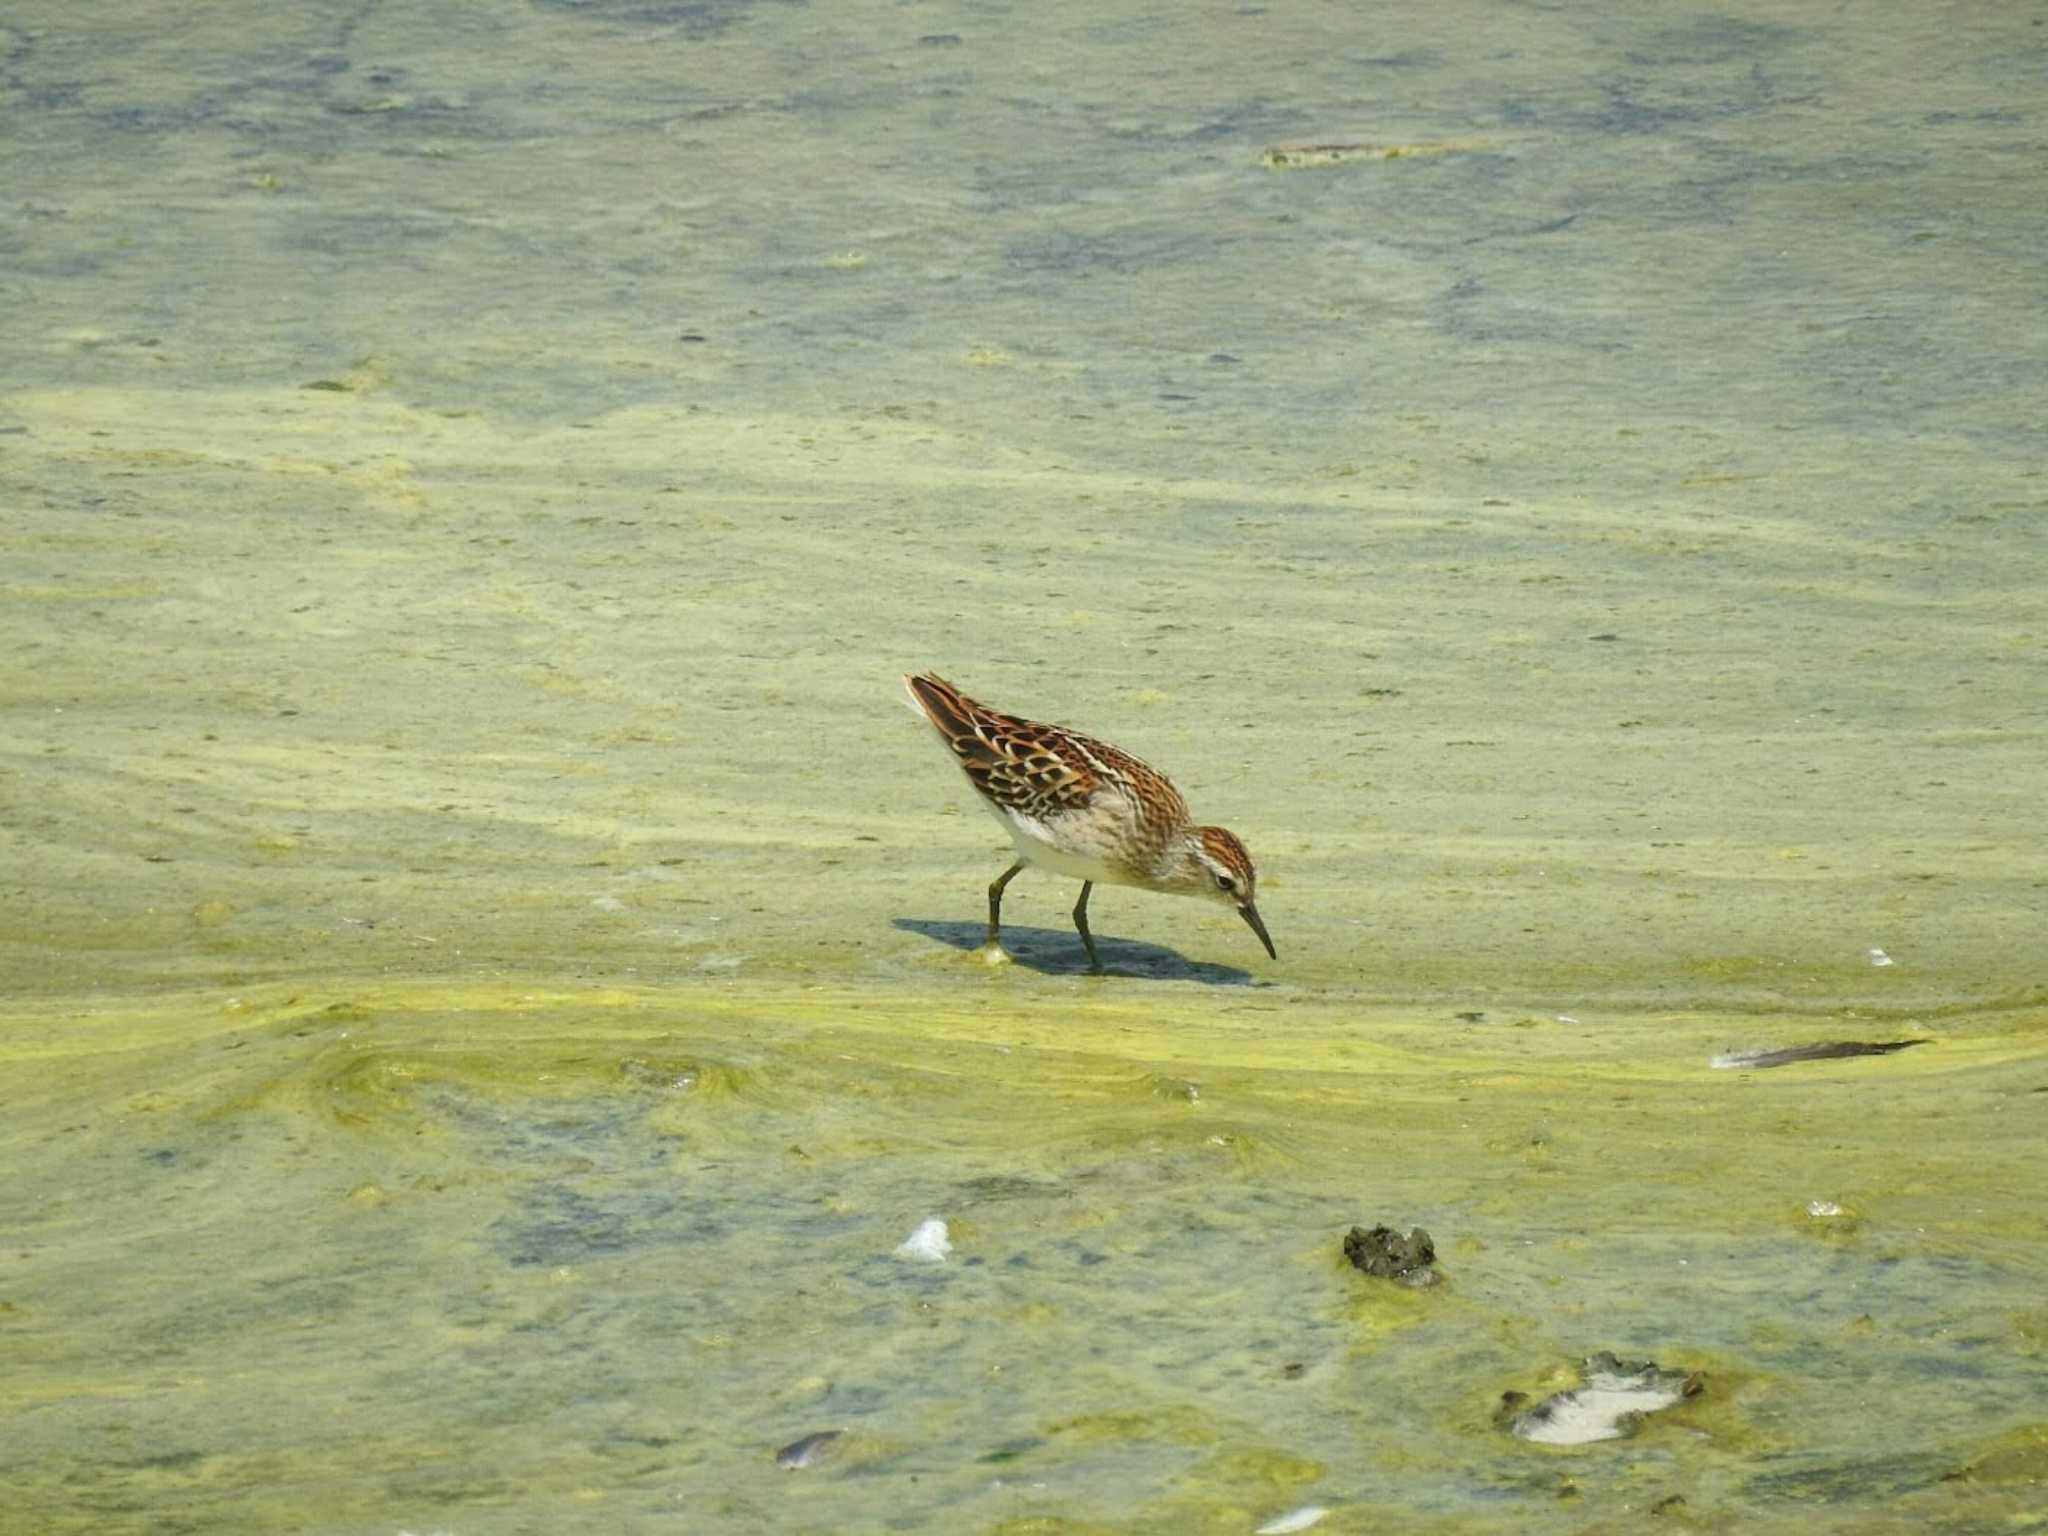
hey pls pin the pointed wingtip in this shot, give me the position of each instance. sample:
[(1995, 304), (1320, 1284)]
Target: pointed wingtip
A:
[(928, 693)]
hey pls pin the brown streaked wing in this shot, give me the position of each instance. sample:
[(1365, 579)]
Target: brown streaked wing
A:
[(1040, 770)]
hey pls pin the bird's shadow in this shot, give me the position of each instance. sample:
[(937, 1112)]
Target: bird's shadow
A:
[(1058, 952)]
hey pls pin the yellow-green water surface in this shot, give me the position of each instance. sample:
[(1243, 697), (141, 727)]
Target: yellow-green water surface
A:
[(487, 971)]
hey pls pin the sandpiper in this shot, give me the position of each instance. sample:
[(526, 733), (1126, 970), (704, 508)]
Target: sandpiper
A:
[(1081, 808)]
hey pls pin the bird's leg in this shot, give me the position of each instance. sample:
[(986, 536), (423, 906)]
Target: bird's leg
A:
[(1081, 922), (995, 905)]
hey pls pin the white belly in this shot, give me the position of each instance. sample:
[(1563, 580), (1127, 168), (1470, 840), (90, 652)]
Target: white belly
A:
[(1078, 848)]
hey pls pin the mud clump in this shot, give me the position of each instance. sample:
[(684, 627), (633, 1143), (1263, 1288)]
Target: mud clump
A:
[(1389, 1255)]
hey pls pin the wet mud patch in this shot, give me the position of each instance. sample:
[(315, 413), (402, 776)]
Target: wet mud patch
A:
[(1872, 1481), (1828, 1050), (695, 19), (1299, 157)]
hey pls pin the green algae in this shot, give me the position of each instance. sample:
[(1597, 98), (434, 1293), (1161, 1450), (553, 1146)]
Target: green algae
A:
[(509, 1183)]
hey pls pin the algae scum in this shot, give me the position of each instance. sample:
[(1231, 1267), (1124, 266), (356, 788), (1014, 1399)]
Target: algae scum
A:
[(491, 1041), (483, 1257)]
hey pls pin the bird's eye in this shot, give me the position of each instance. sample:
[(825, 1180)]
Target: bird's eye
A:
[(1225, 883)]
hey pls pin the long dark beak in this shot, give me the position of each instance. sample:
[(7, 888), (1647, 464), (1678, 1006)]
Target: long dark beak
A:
[(1250, 914)]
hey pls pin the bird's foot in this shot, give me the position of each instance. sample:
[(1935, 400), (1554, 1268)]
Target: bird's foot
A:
[(993, 954)]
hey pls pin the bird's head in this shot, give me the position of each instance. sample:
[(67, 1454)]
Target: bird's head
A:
[(1218, 866)]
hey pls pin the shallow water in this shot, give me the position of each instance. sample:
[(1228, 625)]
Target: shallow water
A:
[(487, 958)]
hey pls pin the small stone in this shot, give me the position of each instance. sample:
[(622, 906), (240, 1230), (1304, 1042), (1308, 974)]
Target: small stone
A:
[(802, 1453)]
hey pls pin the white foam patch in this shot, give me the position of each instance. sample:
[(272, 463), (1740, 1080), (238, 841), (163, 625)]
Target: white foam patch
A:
[(1294, 1520), (928, 1244), (1596, 1410)]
